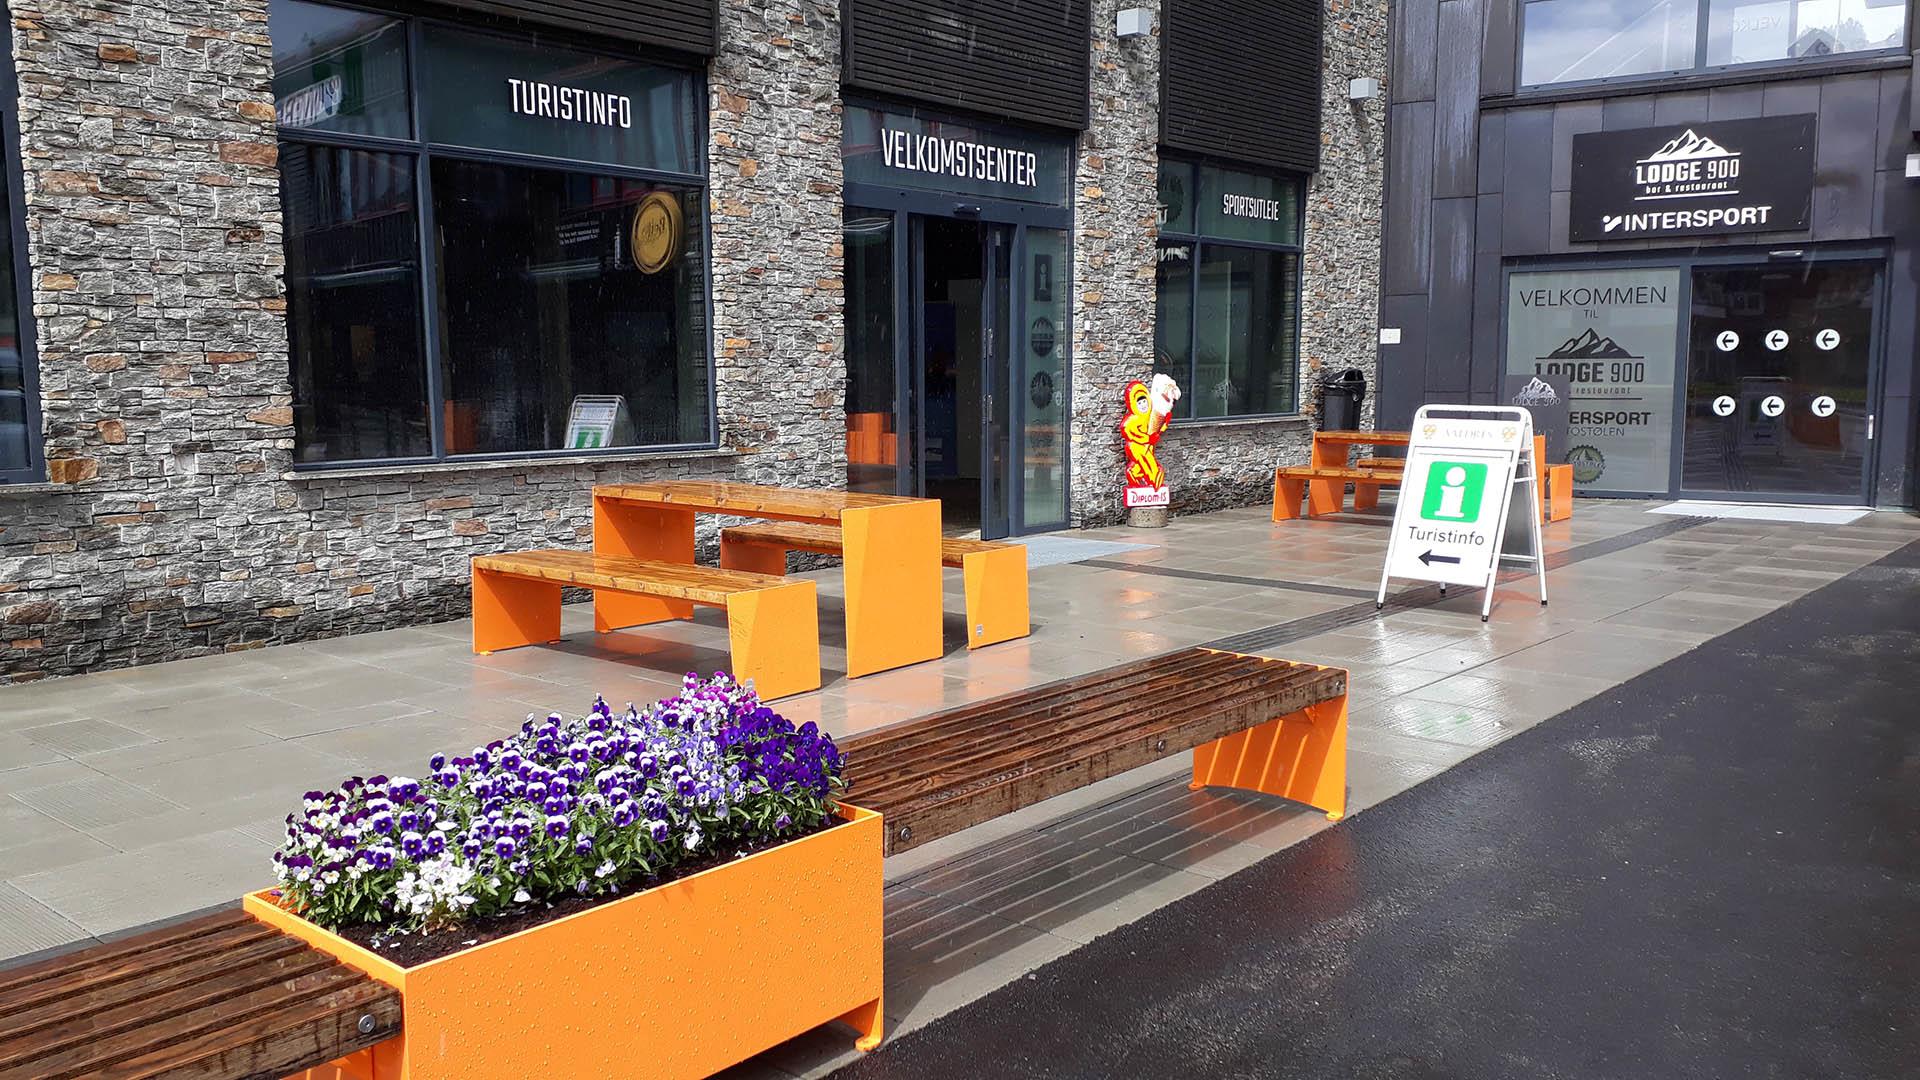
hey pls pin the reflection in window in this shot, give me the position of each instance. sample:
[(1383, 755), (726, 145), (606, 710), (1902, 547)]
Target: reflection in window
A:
[(1743, 33), (872, 457), (1246, 323), (14, 385), (544, 299), (1571, 40), (353, 303), (1173, 321), (339, 70)]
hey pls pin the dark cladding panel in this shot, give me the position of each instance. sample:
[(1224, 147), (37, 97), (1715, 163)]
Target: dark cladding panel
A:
[(1415, 32), (1240, 79), (1499, 56), (1688, 108), (1844, 154), (1896, 106), (1402, 380), (1409, 218), (1450, 322), (686, 25), (1005, 58), (1456, 117)]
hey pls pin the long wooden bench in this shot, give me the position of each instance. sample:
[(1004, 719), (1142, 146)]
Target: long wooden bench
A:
[(1326, 488), (220, 997), (1556, 487), (1267, 725), (995, 574), (773, 623)]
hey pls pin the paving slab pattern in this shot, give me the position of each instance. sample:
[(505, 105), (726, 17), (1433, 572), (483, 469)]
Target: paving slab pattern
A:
[(137, 795)]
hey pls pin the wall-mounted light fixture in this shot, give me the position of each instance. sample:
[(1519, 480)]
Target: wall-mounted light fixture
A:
[(1134, 22), (1363, 89), (1913, 166)]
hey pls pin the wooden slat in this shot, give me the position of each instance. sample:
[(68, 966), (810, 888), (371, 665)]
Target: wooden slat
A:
[(1309, 472), (921, 754), (825, 539), (223, 1018), (274, 1044), (135, 965), (1061, 693), (1365, 438), (68, 964), (1392, 463), (749, 500), (674, 581), (56, 1023), (996, 756), (914, 823)]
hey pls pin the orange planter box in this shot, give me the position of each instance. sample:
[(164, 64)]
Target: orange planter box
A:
[(679, 981)]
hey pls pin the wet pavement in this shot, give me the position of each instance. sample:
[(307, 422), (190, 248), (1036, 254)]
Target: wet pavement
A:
[(133, 796), (1710, 870)]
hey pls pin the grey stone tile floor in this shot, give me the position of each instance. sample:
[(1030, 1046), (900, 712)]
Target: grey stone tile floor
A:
[(128, 797)]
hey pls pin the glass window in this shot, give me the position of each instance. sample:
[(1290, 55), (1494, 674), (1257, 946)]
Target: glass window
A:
[(338, 70), (353, 304), (1246, 321), (1743, 33), (1577, 40), (549, 291), (872, 434), (561, 305), (18, 432), (1227, 275)]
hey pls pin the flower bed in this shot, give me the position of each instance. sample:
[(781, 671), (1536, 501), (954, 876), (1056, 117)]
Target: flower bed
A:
[(563, 810)]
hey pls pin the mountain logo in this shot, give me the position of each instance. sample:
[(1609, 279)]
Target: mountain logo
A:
[(1590, 346), (1688, 146), (1536, 392)]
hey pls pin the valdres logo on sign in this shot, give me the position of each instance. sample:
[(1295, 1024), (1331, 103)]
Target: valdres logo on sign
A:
[(1726, 176)]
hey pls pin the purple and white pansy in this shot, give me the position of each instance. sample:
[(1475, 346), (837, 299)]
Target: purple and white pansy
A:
[(564, 807)]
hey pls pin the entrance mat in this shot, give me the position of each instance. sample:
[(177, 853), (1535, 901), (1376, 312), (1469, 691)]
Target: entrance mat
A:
[(1797, 515), (1054, 550)]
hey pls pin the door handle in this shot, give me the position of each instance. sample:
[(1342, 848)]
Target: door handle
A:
[(1869, 427)]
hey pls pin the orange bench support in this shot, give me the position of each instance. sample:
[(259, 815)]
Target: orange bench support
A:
[(773, 624), (1326, 489), (1300, 756), (995, 574)]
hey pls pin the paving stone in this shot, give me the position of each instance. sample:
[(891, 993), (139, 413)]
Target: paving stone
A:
[(77, 737), (28, 926)]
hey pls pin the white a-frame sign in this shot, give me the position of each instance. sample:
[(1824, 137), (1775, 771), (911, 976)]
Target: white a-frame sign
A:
[(1462, 496)]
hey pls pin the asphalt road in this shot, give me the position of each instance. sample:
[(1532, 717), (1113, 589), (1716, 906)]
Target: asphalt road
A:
[(1710, 871)]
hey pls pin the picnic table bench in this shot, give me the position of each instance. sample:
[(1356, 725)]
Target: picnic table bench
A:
[(1273, 726), (219, 997), (995, 574), (773, 623), (1325, 477)]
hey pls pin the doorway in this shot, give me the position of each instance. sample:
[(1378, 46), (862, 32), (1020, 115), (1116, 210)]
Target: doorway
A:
[(957, 378), (1780, 381)]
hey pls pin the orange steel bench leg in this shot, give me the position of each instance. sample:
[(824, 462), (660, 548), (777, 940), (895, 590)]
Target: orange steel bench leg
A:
[(996, 583), (1326, 497), (1286, 497), (759, 558), (509, 612), (1301, 756), (1559, 492), (664, 534), (869, 1021), (1366, 496), (892, 566), (775, 637)]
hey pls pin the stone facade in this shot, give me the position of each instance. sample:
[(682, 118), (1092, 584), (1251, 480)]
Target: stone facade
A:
[(174, 524), (175, 527)]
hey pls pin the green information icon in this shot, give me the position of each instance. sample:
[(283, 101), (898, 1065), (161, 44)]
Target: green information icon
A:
[(1454, 490)]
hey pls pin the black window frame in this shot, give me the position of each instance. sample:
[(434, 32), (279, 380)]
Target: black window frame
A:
[(424, 153), (1198, 244), (27, 342), (1699, 68)]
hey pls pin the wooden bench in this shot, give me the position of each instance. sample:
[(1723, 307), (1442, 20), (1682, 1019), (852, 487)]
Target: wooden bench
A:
[(220, 997), (1394, 464), (1266, 725), (995, 574), (773, 624), (1326, 488)]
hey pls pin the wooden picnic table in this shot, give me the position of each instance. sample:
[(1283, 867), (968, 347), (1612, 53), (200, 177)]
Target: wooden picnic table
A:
[(1330, 447), (891, 552)]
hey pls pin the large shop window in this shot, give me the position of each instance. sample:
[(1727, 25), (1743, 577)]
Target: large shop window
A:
[(522, 273), (1228, 322), (1582, 40), (20, 456)]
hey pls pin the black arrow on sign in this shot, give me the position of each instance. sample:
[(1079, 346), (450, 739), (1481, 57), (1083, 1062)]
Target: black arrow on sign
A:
[(1429, 558)]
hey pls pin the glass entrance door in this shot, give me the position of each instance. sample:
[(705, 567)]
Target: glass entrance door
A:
[(1779, 382), (962, 304)]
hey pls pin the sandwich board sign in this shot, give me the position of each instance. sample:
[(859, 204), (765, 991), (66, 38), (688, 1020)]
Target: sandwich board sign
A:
[(1468, 487)]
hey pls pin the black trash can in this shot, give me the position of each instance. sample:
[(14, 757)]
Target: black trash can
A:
[(1340, 399)]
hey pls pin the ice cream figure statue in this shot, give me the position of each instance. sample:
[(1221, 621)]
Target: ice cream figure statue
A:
[(1148, 407)]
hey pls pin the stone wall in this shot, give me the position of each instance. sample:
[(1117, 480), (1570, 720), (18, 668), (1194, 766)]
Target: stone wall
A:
[(1214, 465), (175, 527), (1116, 202)]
